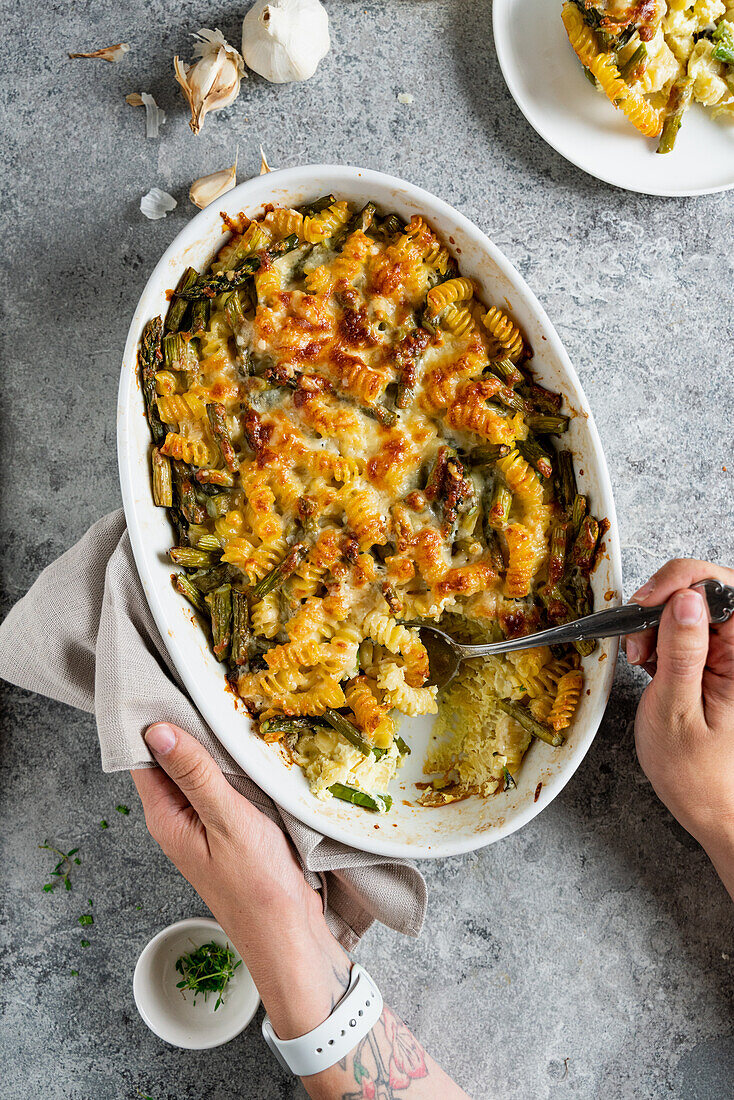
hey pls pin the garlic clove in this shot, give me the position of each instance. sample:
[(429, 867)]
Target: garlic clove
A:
[(155, 116), (208, 188), (156, 204), (109, 53), (264, 166), (284, 40), (213, 81)]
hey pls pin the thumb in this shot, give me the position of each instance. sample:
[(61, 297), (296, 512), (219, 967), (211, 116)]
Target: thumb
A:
[(682, 648), (193, 771)]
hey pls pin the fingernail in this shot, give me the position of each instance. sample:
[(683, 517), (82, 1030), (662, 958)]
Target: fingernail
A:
[(644, 592), (687, 608), (632, 650), (160, 738)]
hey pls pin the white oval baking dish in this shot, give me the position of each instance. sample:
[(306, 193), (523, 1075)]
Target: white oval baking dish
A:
[(408, 830)]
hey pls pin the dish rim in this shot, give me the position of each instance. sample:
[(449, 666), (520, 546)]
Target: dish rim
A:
[(499, 9), (254, 192)]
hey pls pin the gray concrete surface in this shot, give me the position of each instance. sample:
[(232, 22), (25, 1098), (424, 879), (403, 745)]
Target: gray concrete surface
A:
[(590, 955)]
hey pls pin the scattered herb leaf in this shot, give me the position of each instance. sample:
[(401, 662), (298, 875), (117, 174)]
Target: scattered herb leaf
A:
[(86, 918), (123, 809), (207, 970), (75, 973), (62, 868), (103, 824), (85, 943)]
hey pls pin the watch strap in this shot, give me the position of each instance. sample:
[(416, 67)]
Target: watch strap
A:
[(350, 1020)]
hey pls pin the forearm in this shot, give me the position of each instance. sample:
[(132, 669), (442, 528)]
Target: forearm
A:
[(301, 981), (388, 1060)]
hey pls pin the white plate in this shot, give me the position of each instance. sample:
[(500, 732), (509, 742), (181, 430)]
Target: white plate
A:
[(549, 86), (408, 830)]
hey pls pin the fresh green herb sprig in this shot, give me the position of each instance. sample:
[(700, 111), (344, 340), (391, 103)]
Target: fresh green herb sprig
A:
[(123, 810), (62, 870), (207, 969)]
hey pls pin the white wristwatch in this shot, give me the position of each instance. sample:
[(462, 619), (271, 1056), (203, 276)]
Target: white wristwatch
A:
[(351, 1019)]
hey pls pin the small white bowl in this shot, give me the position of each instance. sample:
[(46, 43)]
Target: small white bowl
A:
[(171, 1012)]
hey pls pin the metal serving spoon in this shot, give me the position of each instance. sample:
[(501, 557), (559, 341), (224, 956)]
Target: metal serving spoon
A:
[(445, 654)]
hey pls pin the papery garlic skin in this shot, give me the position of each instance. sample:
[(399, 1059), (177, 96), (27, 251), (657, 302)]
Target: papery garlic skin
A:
[(208, 188), (156, 204), (112, 54), (212, 82), (284, 40), (155, 116)]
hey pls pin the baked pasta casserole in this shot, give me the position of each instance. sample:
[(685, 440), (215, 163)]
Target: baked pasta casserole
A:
[(652, 58), (350, 442)]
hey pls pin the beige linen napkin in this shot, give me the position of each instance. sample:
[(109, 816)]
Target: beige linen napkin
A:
[(84, 635)]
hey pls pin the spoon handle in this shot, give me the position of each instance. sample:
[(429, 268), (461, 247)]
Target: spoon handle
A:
[(610, 623)]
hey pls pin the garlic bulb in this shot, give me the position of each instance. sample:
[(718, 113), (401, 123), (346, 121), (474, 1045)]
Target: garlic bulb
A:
[(156, 204), (212, 82), (208, 188), (284, 40)]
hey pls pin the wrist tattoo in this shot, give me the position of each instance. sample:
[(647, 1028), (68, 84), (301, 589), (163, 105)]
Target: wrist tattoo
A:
[(386, 1061)]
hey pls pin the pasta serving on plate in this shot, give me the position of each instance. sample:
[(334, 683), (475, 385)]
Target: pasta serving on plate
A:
[(652, 58), (349, 442)]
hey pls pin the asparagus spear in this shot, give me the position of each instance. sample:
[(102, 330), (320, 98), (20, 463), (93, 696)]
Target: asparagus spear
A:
[(275, 578), (723, 36), (240, 629), (200, 311), (566, 480), (385, 416), (218, 505), (191, 558), (506, 396), (218, 420), (379, 803), (348, 730), (234, 312), (536, 455), (183, 585), (178, 353), (317, 206), (178, 306), (392, 225), (273, 729), (578, 511), (487, 456), (220, 606), (678, 103), (540, 398), (162, 481), (208, 286), (207, 541), (499, 509), (557, 555), (185, 494), (582, 552), (529, 722), (505, 368), (634, 66), (543, 424), (207, 579), (150, 358)]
